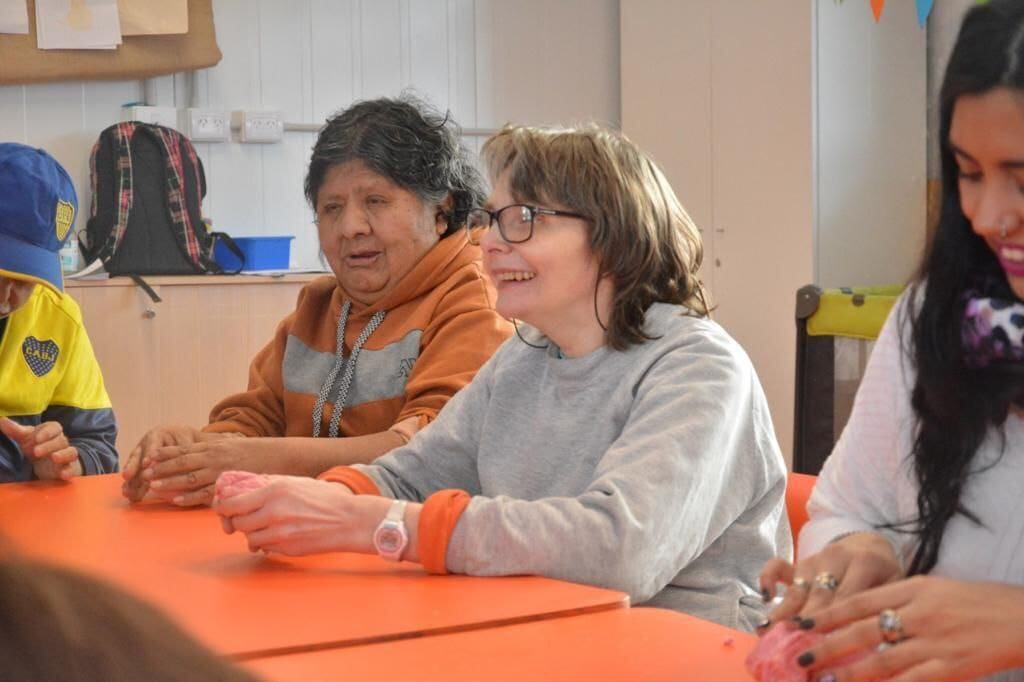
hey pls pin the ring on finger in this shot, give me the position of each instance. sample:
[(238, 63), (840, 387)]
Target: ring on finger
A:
[(826, 581), (891, 625), (800, 584)]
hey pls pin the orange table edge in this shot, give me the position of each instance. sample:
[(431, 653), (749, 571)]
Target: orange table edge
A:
[(639, 644), (243, 604)]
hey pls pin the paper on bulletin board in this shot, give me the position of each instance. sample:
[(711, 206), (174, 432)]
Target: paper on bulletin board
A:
[(13, 16), (153, 17), (77, 25)]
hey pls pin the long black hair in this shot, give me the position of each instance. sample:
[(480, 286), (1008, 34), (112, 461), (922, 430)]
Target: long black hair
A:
[(956, 405)]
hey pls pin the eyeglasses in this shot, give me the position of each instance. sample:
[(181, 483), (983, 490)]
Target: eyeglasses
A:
[(515, 222)]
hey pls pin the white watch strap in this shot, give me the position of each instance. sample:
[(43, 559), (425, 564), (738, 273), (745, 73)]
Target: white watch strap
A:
[(396, 512)]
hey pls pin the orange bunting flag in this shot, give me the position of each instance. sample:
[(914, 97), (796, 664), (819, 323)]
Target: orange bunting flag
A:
[(877, 6)]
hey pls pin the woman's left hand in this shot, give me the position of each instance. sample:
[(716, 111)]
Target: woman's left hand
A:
[(295, 516), (185, 474), (948, 630)]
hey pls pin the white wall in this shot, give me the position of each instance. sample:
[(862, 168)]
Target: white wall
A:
[(489, 61), (870, 144)]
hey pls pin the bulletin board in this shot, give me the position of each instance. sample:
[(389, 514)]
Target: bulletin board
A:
[(136, 58)]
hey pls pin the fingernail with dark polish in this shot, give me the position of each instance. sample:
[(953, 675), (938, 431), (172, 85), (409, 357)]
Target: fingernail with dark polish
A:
[(765, 595), (805, 659), (806, 623)]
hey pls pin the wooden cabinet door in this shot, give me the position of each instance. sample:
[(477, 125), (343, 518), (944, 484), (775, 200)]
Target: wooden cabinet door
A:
[(762, 184), (169, 363)]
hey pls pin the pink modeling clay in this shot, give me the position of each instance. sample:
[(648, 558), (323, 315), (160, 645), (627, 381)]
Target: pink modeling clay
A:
[(774, 657), (231, 483)]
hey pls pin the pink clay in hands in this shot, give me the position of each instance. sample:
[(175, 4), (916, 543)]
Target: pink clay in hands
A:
[(231, 483), (774, 657)]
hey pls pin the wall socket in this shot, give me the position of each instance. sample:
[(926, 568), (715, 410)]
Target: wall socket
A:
[(165, 116), (258, 126), (208, 125)]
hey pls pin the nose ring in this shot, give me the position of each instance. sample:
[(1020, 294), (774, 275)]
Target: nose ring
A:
[(1004, 227)]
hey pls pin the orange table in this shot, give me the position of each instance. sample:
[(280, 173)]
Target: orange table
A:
[(637, 644), (243, 604)]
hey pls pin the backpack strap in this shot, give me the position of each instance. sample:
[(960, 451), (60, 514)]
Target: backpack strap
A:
[(186, 233), (234, 248), (121, 135)]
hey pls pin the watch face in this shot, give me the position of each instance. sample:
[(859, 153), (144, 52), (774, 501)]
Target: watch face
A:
[(389, 540)]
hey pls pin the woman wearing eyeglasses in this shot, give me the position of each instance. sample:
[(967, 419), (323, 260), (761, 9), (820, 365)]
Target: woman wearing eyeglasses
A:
[(622, 439), (372, 353)]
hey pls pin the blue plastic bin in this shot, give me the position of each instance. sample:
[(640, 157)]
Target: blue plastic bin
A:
[(261, 253)]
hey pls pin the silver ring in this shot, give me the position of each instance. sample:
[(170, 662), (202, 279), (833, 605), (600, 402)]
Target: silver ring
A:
[(826, 581), (800, 583), (891, 626)]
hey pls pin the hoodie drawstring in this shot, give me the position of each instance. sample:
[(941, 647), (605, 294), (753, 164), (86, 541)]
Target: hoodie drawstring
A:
[(350, 370)]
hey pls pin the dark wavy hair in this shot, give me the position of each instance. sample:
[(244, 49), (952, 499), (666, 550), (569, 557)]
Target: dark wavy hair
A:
[(956, 405), (407, 141)]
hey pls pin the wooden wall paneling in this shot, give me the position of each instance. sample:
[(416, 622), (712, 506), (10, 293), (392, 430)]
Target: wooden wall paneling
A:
[(127, 349), (268, 305), (234, 171), (670, 32), (286, 85), (12, 113), (202, 341), (54, 122), (548, 62), (871, 201), (762, 182), (381, 49), (462, 61), (285, 70), (334, 42), (430, 64)]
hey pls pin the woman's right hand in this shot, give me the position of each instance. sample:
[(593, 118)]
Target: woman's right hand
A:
[(856, 562)]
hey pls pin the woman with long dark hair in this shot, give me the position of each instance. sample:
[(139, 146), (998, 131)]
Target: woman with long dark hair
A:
[(916, 531)]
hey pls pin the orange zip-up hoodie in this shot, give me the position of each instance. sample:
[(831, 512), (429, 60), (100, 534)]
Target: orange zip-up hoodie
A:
[(439, 328)]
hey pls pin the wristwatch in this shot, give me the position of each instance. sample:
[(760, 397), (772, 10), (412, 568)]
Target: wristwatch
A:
[(391, 537)]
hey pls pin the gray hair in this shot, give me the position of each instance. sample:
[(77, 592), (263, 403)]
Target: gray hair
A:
[(407, 141)]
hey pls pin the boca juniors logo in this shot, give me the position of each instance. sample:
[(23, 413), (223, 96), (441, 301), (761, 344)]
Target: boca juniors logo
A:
[(64, 216), (41, 356)]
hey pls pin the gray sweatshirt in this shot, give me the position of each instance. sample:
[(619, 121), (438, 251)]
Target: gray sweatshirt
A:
[(654, 471)]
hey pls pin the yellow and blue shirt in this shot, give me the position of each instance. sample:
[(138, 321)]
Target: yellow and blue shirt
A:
[(48, 372)]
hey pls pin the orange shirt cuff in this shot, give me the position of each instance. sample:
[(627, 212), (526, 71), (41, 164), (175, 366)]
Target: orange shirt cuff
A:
[(357, 481), (438, 517)]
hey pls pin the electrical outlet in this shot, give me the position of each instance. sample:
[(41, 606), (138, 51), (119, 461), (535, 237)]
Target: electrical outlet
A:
[(258, 126), (165, 116), (208, 125)]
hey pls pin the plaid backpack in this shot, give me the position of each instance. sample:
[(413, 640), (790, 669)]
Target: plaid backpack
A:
[(147, 190)]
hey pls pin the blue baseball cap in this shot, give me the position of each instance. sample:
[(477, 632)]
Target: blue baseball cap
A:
[(37, 209)]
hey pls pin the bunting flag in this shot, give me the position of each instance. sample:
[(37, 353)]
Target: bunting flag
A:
[(924, 8), (877, 6)]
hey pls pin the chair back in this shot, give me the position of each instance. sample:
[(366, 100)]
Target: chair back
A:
[(798, 491), (836, 329)]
